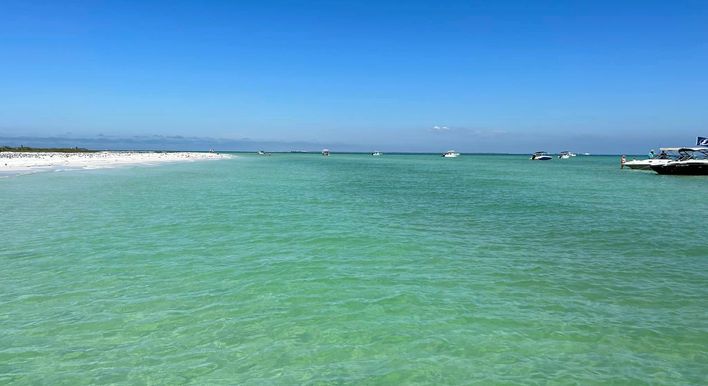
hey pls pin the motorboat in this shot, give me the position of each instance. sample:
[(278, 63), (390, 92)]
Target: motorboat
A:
[(377, 154), (692, 161), (667, 155), (566, 155), (325, 152), (261, 152), (450, 154), (541, 156)]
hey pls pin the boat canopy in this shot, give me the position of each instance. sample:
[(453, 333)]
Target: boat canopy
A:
[(688, 153)]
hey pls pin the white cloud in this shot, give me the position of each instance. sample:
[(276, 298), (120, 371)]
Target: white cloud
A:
[(439, 129)]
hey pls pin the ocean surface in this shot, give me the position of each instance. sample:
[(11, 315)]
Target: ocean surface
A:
[(401, 269)]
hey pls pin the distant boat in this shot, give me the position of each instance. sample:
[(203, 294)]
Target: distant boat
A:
[(261, 152), (540, 156), (566, 154), (325, 152), (377, 153), (450, 154)]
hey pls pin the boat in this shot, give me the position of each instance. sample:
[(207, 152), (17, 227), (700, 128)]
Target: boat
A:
[(540, 156), (261, 152), (450, 154), (693, 161), (325, 152), (566, 155), (377, 154), (667, 155)]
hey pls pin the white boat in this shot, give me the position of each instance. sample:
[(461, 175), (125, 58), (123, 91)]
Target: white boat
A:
[(541, 156), (450, 154), (377, 154), (565, 155), (667, 155), (325, 152)]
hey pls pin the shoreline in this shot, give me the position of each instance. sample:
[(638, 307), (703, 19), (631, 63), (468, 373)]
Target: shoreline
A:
[(12, 163)]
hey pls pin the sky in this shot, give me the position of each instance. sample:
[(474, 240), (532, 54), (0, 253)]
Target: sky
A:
[(475, 76)]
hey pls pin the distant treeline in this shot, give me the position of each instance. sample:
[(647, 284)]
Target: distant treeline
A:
[(26, 149)]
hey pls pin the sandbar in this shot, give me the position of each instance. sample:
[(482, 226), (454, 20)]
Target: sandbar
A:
[(29, 162)]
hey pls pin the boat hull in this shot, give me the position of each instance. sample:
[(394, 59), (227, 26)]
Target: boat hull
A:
[(683, 168), (636, 166), (645, 164)]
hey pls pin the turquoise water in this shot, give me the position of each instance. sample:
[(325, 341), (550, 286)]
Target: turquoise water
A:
[(403, 269)]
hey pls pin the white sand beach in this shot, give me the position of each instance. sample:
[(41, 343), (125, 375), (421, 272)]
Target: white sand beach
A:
[(22, 162)]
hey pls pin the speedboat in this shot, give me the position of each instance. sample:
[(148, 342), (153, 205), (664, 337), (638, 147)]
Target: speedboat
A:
[(540, 156), (377, 153), (261, 152), (565, 155), (450, 154), (325, 152), (693, 161), (667, 155)]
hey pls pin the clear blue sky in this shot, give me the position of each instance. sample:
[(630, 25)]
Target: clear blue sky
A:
[(601, 76)]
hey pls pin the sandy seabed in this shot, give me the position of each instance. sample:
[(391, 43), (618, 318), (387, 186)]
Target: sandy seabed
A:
[(21, 162)]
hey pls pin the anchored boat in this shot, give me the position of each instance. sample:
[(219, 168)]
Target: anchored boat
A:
[(540, 156), (693, 161), (450, 154), (667, 155)]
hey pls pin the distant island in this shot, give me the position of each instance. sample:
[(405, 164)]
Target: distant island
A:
[(25, 149)]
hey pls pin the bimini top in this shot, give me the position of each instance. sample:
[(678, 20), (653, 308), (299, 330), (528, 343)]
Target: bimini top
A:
[(690, 153), (670, 148)]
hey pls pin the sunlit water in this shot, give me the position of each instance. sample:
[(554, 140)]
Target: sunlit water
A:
[(299, 268)]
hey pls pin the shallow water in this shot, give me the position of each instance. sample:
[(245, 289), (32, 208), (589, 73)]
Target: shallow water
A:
[(398, 269)]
